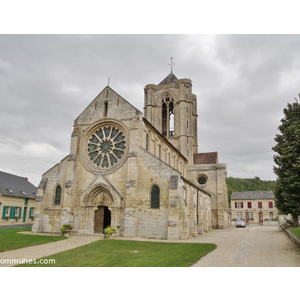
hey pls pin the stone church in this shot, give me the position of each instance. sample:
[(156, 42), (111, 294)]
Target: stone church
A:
[(138, 172)]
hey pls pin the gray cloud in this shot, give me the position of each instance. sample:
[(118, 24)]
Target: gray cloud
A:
[(242, 82)]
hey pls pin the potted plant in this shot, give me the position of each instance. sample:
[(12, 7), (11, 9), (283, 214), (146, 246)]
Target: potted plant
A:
[(108, 231), (65, 229)]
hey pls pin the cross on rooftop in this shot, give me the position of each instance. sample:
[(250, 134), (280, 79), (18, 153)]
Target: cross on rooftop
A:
[(171, 64)]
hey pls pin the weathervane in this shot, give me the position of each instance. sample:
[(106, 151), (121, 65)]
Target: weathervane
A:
[(171, 64)]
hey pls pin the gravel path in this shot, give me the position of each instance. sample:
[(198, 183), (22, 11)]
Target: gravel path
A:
[(253, 246)]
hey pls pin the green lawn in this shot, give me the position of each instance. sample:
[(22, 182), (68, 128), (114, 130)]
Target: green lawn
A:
[(10, 239), (295, 231), (120, 253)]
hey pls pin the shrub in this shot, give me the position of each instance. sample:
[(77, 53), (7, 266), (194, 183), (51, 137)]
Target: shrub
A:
[(65, 228), (109, 231)]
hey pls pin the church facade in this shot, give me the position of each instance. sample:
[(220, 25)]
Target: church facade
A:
[(138, 172)]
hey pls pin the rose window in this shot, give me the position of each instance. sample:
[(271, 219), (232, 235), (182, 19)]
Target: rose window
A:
[(106, 146)]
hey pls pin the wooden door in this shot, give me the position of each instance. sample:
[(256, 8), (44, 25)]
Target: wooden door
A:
[(260, 216), (99, 219)]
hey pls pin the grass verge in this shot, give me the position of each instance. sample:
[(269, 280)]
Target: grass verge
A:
[(120, 253), (10, 239), (295, 231)]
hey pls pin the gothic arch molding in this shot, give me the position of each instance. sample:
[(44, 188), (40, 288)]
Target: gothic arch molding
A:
[(163, 95), (99, 194)]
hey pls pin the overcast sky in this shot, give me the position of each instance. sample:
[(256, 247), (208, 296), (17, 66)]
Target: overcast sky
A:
[(243, 82)]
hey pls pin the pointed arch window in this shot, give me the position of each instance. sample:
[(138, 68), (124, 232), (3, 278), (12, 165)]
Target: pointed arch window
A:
[(168, 117), (155, 194), (171, 119), (57, 199)]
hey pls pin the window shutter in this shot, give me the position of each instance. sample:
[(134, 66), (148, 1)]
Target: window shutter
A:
[(235, 204), (242, 205), (20, 212), (11, 212), (3, 213)]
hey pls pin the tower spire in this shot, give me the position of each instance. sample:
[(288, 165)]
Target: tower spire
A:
[(171, 64)]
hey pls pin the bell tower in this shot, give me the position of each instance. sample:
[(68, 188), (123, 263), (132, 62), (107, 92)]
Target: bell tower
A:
[(171, 108)]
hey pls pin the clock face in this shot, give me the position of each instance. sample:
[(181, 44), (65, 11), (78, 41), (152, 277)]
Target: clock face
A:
[(106, 146)]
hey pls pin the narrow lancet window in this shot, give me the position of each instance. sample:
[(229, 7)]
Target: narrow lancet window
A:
[(164, 119), (155, 196), (105, 110), (147, 141), (57, 195), (168, 117), (171, 119)]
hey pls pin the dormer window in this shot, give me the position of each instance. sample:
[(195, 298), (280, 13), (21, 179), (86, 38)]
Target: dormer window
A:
[(11, 191), (23, 193)]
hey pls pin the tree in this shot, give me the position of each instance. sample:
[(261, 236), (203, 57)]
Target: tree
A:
[(287, 159)]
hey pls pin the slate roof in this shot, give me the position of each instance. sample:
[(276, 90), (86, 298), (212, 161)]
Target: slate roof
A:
[(252, 195), (205, 158), (16, 186), (171, 78)]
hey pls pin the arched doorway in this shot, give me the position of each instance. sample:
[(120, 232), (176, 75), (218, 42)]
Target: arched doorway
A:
[(102, 219), (102, 201)]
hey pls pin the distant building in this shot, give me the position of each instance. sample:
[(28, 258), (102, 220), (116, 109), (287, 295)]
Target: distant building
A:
[(256, 207), (17, 199)]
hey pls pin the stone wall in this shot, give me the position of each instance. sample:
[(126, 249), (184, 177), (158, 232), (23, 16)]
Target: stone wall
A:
[(216, 186)]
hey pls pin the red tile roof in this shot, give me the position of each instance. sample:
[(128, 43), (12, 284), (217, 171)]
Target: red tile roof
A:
[(205, 158)]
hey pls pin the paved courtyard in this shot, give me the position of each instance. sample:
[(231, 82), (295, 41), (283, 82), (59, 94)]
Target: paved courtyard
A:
[(253, 246)]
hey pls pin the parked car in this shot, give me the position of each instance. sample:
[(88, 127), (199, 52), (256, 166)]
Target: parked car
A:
[(240, 223)]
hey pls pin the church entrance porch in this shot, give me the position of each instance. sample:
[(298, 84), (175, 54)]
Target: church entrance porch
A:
[(102, 219), (99, 210)]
